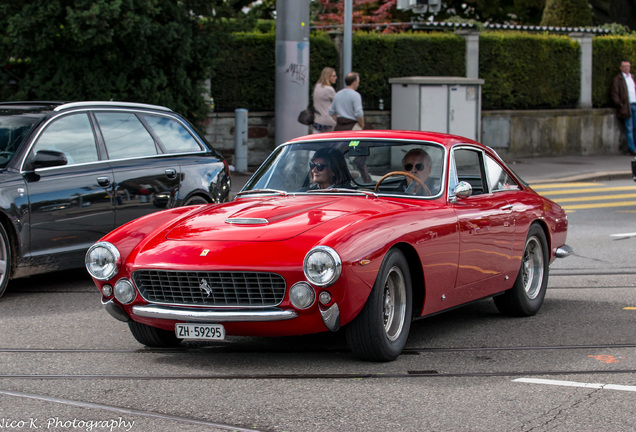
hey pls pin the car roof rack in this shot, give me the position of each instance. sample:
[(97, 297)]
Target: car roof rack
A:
[(110, 104)]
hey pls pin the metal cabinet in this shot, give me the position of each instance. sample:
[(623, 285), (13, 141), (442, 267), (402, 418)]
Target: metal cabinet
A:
[(437, 104)]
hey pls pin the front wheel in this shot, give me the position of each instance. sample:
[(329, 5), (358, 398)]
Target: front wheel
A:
[(380, 331), (526, 296), (152, 336), (5, 260)]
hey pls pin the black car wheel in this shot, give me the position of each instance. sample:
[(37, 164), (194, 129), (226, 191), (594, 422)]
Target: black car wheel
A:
[(152, 336), (5, 260), (380, 331), (195, 200), (526, 296)]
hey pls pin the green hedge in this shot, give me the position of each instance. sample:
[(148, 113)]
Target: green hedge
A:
[(523, 71), (607, 54)]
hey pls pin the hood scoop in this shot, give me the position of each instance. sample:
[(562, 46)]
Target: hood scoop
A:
[(246, 221)]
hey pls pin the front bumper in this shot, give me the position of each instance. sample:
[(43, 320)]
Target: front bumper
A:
[(202, 315)]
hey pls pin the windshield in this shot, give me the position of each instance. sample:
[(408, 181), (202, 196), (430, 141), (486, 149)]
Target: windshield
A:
[(15, 125), (385, 167)]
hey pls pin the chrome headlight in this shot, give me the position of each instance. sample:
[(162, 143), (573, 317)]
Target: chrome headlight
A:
[(102, 260), (302, 295), (322, 266)]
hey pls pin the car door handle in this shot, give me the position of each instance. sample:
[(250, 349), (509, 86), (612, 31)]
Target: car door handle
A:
[(507, 207), (103, 181), (171, 173)]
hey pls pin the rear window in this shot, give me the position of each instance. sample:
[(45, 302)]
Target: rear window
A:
[(174, 137)]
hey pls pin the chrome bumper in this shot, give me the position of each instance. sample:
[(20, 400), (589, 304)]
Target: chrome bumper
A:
[(204, 315), (564, 251)]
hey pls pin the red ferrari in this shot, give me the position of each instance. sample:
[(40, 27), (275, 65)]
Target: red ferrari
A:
[(362, 231)]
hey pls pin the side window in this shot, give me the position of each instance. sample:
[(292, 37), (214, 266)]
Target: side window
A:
[(172, 134), (125, 136), (469, 169), (498, 178), (71, 135)]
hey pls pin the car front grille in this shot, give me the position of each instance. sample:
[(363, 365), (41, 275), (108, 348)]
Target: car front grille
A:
[(219, 289)]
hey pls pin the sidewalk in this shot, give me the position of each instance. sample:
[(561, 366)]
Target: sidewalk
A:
[(543, 170)]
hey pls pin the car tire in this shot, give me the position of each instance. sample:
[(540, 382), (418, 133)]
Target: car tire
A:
[(380, 330), (526, 295), (195, 200), (5, 260), (152, 336)]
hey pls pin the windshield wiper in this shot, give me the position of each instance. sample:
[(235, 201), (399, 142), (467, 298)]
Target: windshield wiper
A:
[(262, 191), (344, 190)]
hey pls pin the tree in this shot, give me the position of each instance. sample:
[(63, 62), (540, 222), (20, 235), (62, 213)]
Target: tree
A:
[(331, 12), (152, 51), (567, 13)]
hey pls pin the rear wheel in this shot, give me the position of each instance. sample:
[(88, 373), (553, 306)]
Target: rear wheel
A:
[(152, 336), (526, 296), (380, 331), (5, 260)]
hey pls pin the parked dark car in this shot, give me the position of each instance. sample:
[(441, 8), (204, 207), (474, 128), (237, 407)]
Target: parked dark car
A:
[(72, 172)]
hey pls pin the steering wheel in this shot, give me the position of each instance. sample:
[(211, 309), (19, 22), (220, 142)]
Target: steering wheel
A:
[(402, 173)]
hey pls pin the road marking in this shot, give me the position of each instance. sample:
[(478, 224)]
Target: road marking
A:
[(624, 235), (593, 190), (629, 308), (560, 185), (599, 205), (576, 384), (593, 198)]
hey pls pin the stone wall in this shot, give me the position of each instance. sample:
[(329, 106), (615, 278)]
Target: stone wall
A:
[(532, 133)]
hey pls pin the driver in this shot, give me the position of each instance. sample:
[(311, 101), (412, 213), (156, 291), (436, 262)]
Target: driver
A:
[(419, 163), (328, 170)]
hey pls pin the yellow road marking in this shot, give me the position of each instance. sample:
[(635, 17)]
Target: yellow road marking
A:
[(599, 205), (593, 190), (593, 198), (629, 308), (560, 185)]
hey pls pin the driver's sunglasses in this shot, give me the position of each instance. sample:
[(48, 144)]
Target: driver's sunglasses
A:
[(409, 167), (319, 167)]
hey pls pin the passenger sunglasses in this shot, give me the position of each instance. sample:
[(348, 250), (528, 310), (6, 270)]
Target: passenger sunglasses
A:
[(409, 167), (319, 167)]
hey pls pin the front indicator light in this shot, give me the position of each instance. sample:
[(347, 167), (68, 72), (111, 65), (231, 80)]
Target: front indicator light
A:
[(302, 295), (124, 291), (102, 260), (107, 290), (322, 266), (324, 298)]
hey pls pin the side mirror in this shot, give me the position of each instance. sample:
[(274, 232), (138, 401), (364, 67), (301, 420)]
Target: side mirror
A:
[(49, 158), (463, 190)]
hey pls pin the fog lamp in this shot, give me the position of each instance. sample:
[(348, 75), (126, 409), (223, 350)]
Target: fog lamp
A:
[(325, 297), (124, 291), (302, 295), (102, 260), (107, 290)]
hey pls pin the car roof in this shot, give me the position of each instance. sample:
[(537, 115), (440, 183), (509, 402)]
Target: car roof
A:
[(442, 138), (60, 106)]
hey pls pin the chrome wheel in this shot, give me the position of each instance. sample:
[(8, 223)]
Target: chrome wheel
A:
[(394, 303), (532, 268), (5, 260)]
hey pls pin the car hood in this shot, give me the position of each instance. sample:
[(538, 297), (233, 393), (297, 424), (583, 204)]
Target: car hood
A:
[(268, 219)]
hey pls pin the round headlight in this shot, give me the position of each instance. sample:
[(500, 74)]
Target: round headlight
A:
[(302, 295), (322, 266), (124, 291), (102, 260)]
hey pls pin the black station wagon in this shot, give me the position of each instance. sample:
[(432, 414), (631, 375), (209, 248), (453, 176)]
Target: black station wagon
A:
[(72, 172)]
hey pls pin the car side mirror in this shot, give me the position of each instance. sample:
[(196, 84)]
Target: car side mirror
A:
[(463, 190), (48, 158)]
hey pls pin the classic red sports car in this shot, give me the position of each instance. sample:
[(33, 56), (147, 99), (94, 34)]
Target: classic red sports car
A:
[(360, 230)]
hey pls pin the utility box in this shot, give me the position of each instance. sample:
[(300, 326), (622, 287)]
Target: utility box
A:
[(437, 104)]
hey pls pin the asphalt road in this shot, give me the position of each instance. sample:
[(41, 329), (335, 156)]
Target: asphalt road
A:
[(67, 365)]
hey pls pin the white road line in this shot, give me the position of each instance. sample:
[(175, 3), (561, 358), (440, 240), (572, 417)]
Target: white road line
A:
[(624, 235), (576, 384)]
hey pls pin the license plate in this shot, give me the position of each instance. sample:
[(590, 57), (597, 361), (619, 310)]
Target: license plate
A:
[(200, 331)]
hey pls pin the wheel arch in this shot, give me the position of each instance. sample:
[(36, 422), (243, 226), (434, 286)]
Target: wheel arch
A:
[(546, 231), (417, 276), (13, 241)]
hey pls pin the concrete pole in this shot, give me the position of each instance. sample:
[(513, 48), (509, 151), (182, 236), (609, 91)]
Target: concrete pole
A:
[(240, 139), (292, 68), (472, 52), (585, 42), (348, 35)]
